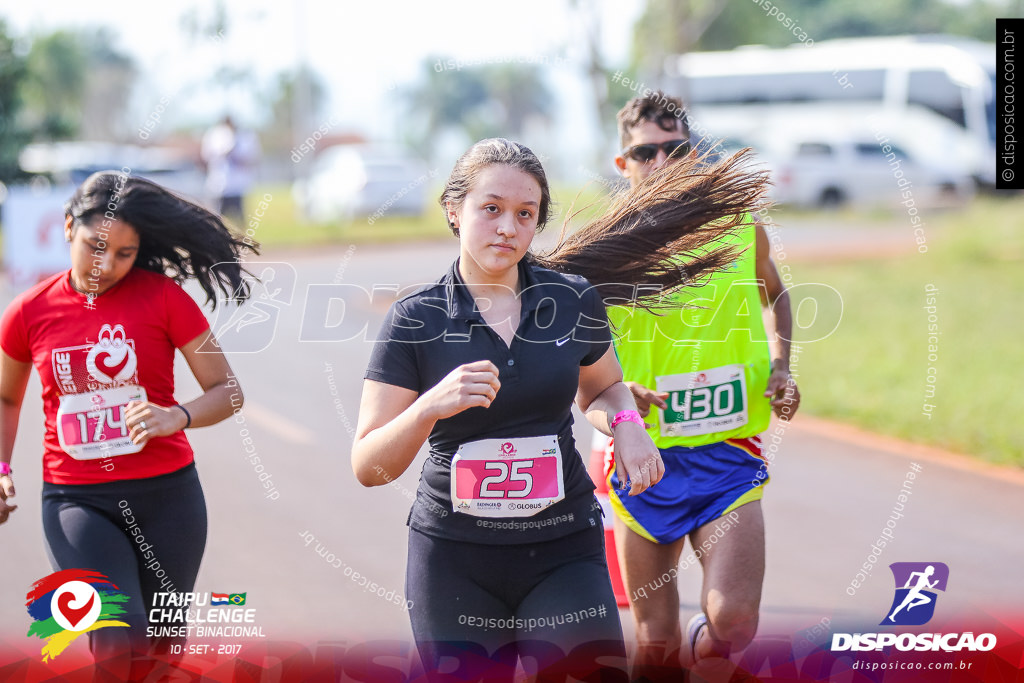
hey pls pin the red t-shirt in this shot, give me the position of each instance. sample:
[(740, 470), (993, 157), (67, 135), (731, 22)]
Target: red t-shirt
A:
[(127, 338)]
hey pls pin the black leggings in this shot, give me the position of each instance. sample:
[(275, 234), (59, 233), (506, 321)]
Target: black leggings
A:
[(477, 608), (146, 535)]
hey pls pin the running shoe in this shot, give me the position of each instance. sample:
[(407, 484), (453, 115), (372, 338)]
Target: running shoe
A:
[(693, 627)]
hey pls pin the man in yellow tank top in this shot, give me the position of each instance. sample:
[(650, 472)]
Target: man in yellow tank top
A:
[(705, 381)]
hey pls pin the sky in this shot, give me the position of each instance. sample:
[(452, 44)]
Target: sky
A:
[(366, 52)]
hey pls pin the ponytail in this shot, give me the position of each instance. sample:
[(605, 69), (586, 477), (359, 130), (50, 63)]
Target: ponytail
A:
[(662, 234)]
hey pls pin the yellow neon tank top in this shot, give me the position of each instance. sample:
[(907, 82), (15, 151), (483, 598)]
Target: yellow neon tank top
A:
[(710, 352)]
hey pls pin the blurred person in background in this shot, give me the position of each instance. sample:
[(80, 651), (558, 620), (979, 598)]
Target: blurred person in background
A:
[(705, 365), (231, 155)]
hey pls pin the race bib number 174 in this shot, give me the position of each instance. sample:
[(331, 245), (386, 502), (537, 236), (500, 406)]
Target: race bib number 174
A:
[(91, 425)]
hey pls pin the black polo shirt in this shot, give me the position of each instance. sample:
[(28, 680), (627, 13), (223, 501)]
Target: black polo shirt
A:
[(431, 332)]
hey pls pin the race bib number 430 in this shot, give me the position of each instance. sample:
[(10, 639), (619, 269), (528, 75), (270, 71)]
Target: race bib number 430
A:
[(91, 425), (507, 477), (704, 402)]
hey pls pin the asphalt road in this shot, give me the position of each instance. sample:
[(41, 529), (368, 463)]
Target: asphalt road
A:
[(828, 501)]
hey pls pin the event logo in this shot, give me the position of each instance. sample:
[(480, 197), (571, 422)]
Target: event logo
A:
[(916, 583), (508, 449), (109, 362), (68, 603), (111, 359)]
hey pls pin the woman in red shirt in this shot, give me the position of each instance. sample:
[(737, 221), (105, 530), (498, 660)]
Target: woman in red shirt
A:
[(120, 491)]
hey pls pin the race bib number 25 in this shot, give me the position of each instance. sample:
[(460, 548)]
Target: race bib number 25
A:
[(91, 425), (507, 477)]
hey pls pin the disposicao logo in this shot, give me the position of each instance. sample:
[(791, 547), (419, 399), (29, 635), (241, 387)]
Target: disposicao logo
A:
[(68, 603), (914, 605), (916, 583)]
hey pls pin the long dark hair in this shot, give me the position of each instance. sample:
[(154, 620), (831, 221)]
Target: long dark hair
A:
[(665, 232), (177, 237)]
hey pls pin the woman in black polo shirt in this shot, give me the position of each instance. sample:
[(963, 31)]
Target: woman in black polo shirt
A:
[(506, 555)]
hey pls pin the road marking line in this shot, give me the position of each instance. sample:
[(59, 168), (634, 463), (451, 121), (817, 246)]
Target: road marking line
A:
[(281, 426)]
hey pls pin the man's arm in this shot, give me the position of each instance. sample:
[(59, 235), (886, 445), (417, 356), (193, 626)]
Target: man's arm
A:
[(781, 385)]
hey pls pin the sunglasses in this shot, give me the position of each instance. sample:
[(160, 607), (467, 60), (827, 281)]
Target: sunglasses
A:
[(673, 149)]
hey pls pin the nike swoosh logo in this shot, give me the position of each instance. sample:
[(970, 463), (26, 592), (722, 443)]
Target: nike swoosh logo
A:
[(560, 342)]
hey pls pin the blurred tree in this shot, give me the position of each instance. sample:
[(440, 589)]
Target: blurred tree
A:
[(198, 26), (208, 30), (443, 100), (77, 84), (12, 137), (851, 18), (588, 17), (669, 27), (480, 101), (518, 94), (277, 137), (978, 19), (53, 88), (110, 80), (672, 27)]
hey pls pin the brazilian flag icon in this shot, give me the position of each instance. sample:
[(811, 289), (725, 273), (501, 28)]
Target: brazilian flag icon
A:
[(237, 598)]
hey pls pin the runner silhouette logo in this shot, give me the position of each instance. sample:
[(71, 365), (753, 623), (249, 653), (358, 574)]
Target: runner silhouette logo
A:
[(916, 586)]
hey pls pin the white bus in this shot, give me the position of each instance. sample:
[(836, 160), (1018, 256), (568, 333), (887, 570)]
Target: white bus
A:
[(948, 80)]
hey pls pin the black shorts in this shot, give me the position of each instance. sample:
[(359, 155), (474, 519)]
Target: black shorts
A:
[(145, 535), (549, 604)]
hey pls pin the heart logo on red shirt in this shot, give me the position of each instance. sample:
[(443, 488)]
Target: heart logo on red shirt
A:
[(108, 370), (112, 359)]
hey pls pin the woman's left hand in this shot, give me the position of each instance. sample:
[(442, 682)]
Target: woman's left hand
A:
[(637, 457), (146, 420)]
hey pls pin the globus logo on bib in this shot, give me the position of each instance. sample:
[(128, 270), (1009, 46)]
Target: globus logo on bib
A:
[(913, 604), (525, 506)]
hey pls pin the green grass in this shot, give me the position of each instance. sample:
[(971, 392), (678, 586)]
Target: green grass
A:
[(872, 371), (282, 226)]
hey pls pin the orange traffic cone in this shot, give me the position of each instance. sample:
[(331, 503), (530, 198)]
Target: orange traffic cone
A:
[(600, 458)]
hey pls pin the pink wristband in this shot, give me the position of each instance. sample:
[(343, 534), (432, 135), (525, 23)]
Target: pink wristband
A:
[(627, 416), (5, 468)]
